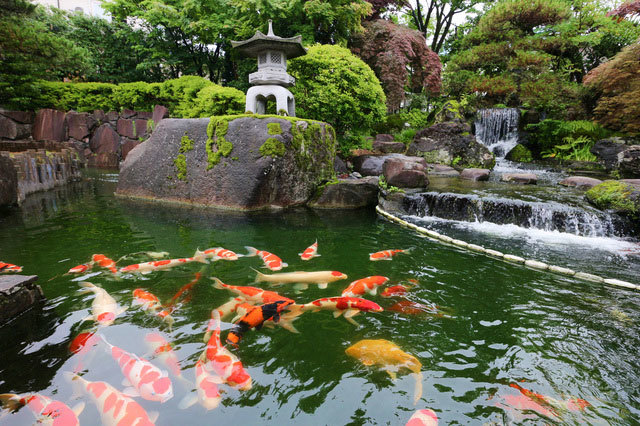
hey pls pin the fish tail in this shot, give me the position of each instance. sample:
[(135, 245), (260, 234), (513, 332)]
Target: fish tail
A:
[(284, 265), (76, 383), (11, 402), (199, 256), (252, 251), (287, 319), (259, 276), (417, 394), (217, 283)]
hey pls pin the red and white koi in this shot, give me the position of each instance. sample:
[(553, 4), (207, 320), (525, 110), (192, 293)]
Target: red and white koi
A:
[(46, 410), (79, 269), (81, 345), (9, 267), (218, 253), (364, 285), (151, 304), (159, 265), (104, 308), (104, 262), (163, 350), (322, 278), (310, 252), (250, 294), (270, 260), (116, 408), (144, 379), (219, 360), (385, 254), (208, 393), (349, 306), (230, 307), (423, 417)]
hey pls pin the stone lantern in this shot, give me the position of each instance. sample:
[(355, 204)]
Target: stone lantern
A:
[(271, 79)]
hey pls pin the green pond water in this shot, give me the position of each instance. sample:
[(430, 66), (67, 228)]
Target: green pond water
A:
[(505, 324)]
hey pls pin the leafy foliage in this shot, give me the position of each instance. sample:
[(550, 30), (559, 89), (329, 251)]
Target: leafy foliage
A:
[(569, 140), (627, 9), (400, 57), (335, 86), (616, 86)]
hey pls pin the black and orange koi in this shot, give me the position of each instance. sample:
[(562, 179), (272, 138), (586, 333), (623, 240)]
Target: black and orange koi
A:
[(255, 318)]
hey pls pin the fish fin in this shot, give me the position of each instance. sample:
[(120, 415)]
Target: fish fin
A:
[(336, 314), (269, 324), (301, 286), (352, 321), (374, 291), (11, 402), (217, 283), (207, 335), (348, 313), (121, 311), (391, 374), (259, 276), (78, 408), (367, 362), (131, 391), (199, 256), (251, 251), (126, 383), (322, 286), (153, 416), (76, 383), (188, 401), (417, 394), (317, 255), (145, 272), (287, 323), (284, 265)]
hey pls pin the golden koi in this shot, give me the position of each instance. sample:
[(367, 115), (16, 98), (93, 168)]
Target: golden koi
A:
[(322, 278), (310, 252), (386, 254), (365, 285), (390, 357), (115, 408), (104, 308), (270, 260), (9, 267), (46, 410)]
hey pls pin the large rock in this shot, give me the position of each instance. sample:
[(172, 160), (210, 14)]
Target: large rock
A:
[(159, 112), (451, 143), (127, 146), (50, 125), (249, 163), (80, 124), (580, 182), (405, 172), (475, 174), (442, 170), (389, 147), (105, 144), (371, 165), (10, 129), (347, 194), (24, 117), (8, 181), (618, 154), (629, 164), (17, 294), (621, 197), (132, 128), (522, 178)]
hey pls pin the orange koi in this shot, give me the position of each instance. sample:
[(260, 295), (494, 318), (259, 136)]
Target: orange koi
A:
[(349, 306), (115, 407), (396, 290), (46, 410), (79, 269), (256, 317), (270, 260), (185, 289), (413, 308), (423, 417), (310, 252), (163, 350), (365, 285), (104, 262), (9, 267), (219, 360), (572, 404), (385, 254), (159, 265), (145, 379)]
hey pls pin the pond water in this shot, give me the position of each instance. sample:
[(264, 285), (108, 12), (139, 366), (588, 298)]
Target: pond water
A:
[(498, 324)]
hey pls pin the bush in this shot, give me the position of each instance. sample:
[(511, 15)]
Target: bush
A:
[(186, 97), (335, 86), (569, 140)]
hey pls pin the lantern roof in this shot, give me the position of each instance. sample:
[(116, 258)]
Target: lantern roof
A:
[(259, 42)]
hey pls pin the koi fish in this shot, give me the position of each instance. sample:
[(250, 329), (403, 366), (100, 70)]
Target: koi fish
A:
[(115, 407), (255, 318), (185, 289), (143, 378), (571, 404), (163, 350), (9, 267), (79, 269), (310, 252), (208, 393), (385, 254), (390, 357), (423, 417), (81, 345), (218, 253), (104, 308), (46, 410), (365, 285), (219, 360), (270, 260), (159, 265), (151, 304), (252, 294), (349, 306), (412, 308), (104, 262), (396, 290), (230, 307), (322, 278)]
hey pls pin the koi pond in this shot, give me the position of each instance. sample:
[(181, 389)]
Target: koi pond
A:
[(497, 343)]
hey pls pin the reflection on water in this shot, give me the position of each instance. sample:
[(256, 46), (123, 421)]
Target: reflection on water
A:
[(558, 337)]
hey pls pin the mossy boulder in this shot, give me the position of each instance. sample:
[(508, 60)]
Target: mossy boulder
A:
[(520, 153), (236, 162), (621, 197)]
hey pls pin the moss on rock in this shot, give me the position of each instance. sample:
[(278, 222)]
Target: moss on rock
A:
[(274, 129), (615, 195), (186, 144), (216, 131), (272, 147), (520, 153), (181, 166)]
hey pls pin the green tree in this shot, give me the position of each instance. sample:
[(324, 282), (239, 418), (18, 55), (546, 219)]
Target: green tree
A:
[(29, 51), (337, 87)]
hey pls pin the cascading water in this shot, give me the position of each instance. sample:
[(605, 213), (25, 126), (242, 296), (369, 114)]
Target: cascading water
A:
[(497, 129)]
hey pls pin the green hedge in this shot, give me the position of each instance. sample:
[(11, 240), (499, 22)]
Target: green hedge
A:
[(186, 97)]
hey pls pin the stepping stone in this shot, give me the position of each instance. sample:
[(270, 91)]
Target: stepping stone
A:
[(580, 182), (475, 174), (17, 294), (522, 178)]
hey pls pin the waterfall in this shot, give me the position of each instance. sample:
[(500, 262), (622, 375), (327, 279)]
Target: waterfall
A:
[(497, 129), (547, 216)]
